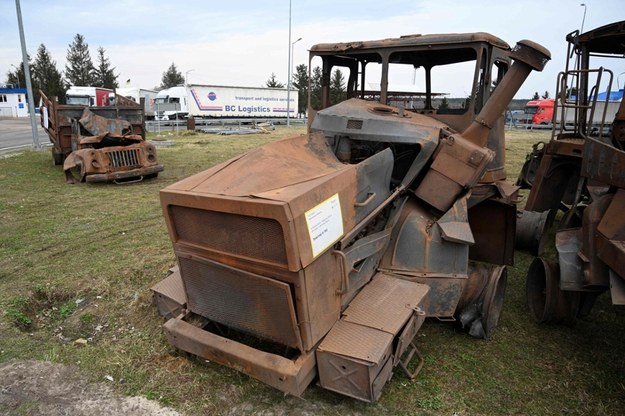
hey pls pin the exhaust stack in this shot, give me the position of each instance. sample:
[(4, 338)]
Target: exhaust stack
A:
[(528, 56)]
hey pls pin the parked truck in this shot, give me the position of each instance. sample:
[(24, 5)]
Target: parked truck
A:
[(321, 255), (99, 143), (539, 111), (140, 95), (214, 101), (88, 96), (577, 186)]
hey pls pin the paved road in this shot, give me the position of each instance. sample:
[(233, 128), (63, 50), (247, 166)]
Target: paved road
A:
[(16, 133)]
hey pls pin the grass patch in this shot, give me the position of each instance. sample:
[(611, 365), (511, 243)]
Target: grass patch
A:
[(77, 261)]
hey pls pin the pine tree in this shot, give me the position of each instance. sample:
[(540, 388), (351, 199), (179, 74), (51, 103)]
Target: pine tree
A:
[(300, 81), (46, 75), (16, 78), (444, 104), (104, 75), (272, 82), (337, 87), (171, 77), (79, 69), (315, 85)]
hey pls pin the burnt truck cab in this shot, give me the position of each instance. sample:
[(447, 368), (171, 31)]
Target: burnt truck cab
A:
[(322, 254)]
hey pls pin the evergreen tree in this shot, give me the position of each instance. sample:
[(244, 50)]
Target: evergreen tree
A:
[(17, 78), (444, 104), (79, 69), (300, 81), (46, 75), (315, 86), (272, 82), (171, 77), (337, 87), (536, 96), (104, 75)]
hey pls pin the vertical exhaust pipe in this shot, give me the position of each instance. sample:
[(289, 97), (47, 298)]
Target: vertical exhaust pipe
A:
[(528, 56)]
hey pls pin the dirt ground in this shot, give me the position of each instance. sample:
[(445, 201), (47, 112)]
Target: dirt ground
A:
[(42, 388)]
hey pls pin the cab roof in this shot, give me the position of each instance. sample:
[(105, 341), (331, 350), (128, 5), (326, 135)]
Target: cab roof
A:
[(415, 40)]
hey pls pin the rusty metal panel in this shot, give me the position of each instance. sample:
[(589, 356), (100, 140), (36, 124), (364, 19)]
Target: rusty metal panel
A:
[(611, 235), (242, 300), (493, 225), (295, 189), (418, 248), (458, 164), (617, 287), (407, 335), (351, 357), (169, 295), (568, 244), (231, 233), (291, 376), (386, 303), (360, 261), (604, 163), (444, 295), (426, 41), (97, 125)]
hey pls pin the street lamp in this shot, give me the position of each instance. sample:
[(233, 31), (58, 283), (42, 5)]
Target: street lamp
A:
[(584, 18), (288, 85), (186, 76)]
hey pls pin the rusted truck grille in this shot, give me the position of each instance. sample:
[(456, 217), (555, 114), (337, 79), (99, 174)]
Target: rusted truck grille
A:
[(239, 235), (124, 158), (246, 301)]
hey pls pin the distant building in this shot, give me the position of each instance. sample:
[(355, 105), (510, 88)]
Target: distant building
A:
[(13, 102)]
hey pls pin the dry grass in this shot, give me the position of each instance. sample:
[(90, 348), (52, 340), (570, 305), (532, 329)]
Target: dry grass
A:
[(78, 260)]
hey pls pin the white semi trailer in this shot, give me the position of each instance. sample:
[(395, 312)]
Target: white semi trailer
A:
[(215, 101), (136, 94)]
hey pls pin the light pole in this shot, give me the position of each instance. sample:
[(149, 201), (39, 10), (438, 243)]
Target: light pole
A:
[(288, 72), (584, 18), (288, 85), (186, 76), (29, 85)]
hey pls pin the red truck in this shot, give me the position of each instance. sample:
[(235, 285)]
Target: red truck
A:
[(539, 111)]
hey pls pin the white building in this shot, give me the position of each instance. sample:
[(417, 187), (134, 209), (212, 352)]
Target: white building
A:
[(13, 102)]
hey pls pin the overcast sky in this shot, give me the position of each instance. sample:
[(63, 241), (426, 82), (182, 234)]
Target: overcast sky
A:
[(242, 42)]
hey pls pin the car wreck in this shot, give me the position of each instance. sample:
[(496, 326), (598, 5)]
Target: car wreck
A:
[(100, 144), (322, 255)]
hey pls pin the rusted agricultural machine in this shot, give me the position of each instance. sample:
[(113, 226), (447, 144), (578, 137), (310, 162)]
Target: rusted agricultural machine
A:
[(581, 172), (102, 144), (323, 254)]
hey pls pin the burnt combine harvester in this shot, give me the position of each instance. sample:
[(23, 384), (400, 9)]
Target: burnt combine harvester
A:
[(581, 172), (321, 255), (100, 144)]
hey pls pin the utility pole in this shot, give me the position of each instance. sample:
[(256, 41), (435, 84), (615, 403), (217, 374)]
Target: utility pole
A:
[(288, 74), (29, 84)]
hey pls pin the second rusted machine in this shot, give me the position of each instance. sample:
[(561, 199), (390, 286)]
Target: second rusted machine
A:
[(578, 182)]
